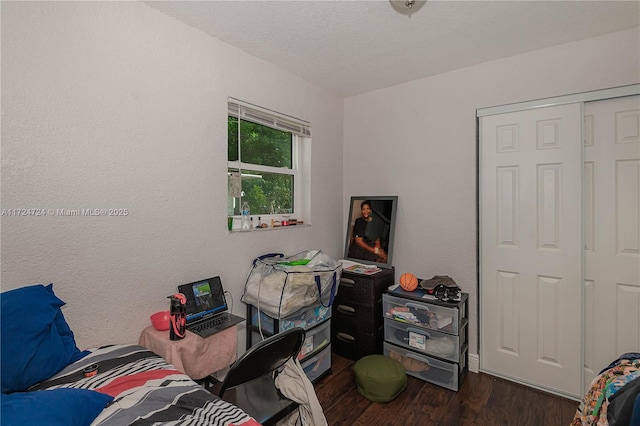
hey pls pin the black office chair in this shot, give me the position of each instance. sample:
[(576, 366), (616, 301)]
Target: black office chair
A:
[(250, 385)]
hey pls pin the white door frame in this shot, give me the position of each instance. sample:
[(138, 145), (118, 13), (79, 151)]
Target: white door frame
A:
[(522, 106), (596, 95)]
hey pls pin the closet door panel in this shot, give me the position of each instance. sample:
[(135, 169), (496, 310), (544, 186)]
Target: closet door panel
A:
[(531, 247), (612, 231)]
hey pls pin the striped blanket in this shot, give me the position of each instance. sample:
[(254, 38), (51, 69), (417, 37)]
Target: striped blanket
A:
[(147, 390)]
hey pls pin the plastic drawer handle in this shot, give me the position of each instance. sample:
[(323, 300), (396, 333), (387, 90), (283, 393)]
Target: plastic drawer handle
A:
[(346, 337), (346, 309), (416, 306), (347, 282), (417, 358)]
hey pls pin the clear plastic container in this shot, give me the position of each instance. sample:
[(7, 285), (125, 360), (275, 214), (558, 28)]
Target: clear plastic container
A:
[(305, 318), (430, 342), (318, 365), (426, 315), (424, 367)]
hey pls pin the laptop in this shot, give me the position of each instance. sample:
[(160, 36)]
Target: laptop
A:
[(206, 308)]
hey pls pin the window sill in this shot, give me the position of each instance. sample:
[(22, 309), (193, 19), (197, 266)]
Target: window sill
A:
[(276, 228)]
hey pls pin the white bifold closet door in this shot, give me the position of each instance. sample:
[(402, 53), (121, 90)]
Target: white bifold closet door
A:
[(531, 247), (611, 231)]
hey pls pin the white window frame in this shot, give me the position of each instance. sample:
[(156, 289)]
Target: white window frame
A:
[(300, 155)]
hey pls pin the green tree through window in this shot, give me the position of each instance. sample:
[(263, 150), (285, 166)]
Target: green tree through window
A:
[(265, 160)]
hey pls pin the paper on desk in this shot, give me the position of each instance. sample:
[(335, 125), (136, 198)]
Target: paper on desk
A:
[(359, 268)]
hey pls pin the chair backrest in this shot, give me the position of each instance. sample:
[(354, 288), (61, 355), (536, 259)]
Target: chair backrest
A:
[(264, 357)]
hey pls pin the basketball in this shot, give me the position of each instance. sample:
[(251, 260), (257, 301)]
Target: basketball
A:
[(408, 281)]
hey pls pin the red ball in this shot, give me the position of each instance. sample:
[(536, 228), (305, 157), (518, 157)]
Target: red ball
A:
[(408, 281)]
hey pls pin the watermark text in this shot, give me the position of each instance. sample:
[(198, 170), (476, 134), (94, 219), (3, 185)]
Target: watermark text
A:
[(61, 212)]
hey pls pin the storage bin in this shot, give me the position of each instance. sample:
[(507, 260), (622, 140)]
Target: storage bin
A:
[(365, 289), (425, 367), (305, 318), (316, 338), (318, 365), (283, 286), (355, 316), (354, 344), (359, 321), (423, 340), (432, 316)]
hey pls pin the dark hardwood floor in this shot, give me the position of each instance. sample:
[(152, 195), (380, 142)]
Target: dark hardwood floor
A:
[(481, 400)]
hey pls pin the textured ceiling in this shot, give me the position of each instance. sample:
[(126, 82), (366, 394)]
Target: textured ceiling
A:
[(353, 47)]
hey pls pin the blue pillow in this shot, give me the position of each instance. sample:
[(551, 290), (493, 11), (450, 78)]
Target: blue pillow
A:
[(66, 335), (64, 407), (35, 340)]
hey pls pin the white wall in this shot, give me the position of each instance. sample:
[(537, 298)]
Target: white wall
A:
[(116, 105), (113, 104), (418, 141)]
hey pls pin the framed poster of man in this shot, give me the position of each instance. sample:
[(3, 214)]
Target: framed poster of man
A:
[(370, 230)]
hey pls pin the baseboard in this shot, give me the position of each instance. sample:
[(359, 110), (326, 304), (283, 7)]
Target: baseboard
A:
[(474, 363)]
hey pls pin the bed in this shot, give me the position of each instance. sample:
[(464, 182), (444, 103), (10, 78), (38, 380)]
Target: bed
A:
[(613, 397), (46, 379)]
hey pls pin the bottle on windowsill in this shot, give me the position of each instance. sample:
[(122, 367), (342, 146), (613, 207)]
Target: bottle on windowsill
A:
[(246, 213)]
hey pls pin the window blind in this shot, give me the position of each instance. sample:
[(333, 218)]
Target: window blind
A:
[(255, 114)]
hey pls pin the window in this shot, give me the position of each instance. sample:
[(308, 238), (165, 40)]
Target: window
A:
[(268, 162)]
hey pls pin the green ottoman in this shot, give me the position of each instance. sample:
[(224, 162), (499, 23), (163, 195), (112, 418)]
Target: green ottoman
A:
[(380, 378)]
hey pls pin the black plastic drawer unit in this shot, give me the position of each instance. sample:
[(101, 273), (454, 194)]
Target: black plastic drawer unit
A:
[(357, 326)]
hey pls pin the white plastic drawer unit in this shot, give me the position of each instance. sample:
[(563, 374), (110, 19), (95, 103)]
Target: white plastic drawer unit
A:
[(317, 365), (426, 341), (424, 367), (441, 318), (306, 318), (316, 339)]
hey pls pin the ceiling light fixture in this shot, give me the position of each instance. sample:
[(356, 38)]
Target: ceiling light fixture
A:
[(407, 7)]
